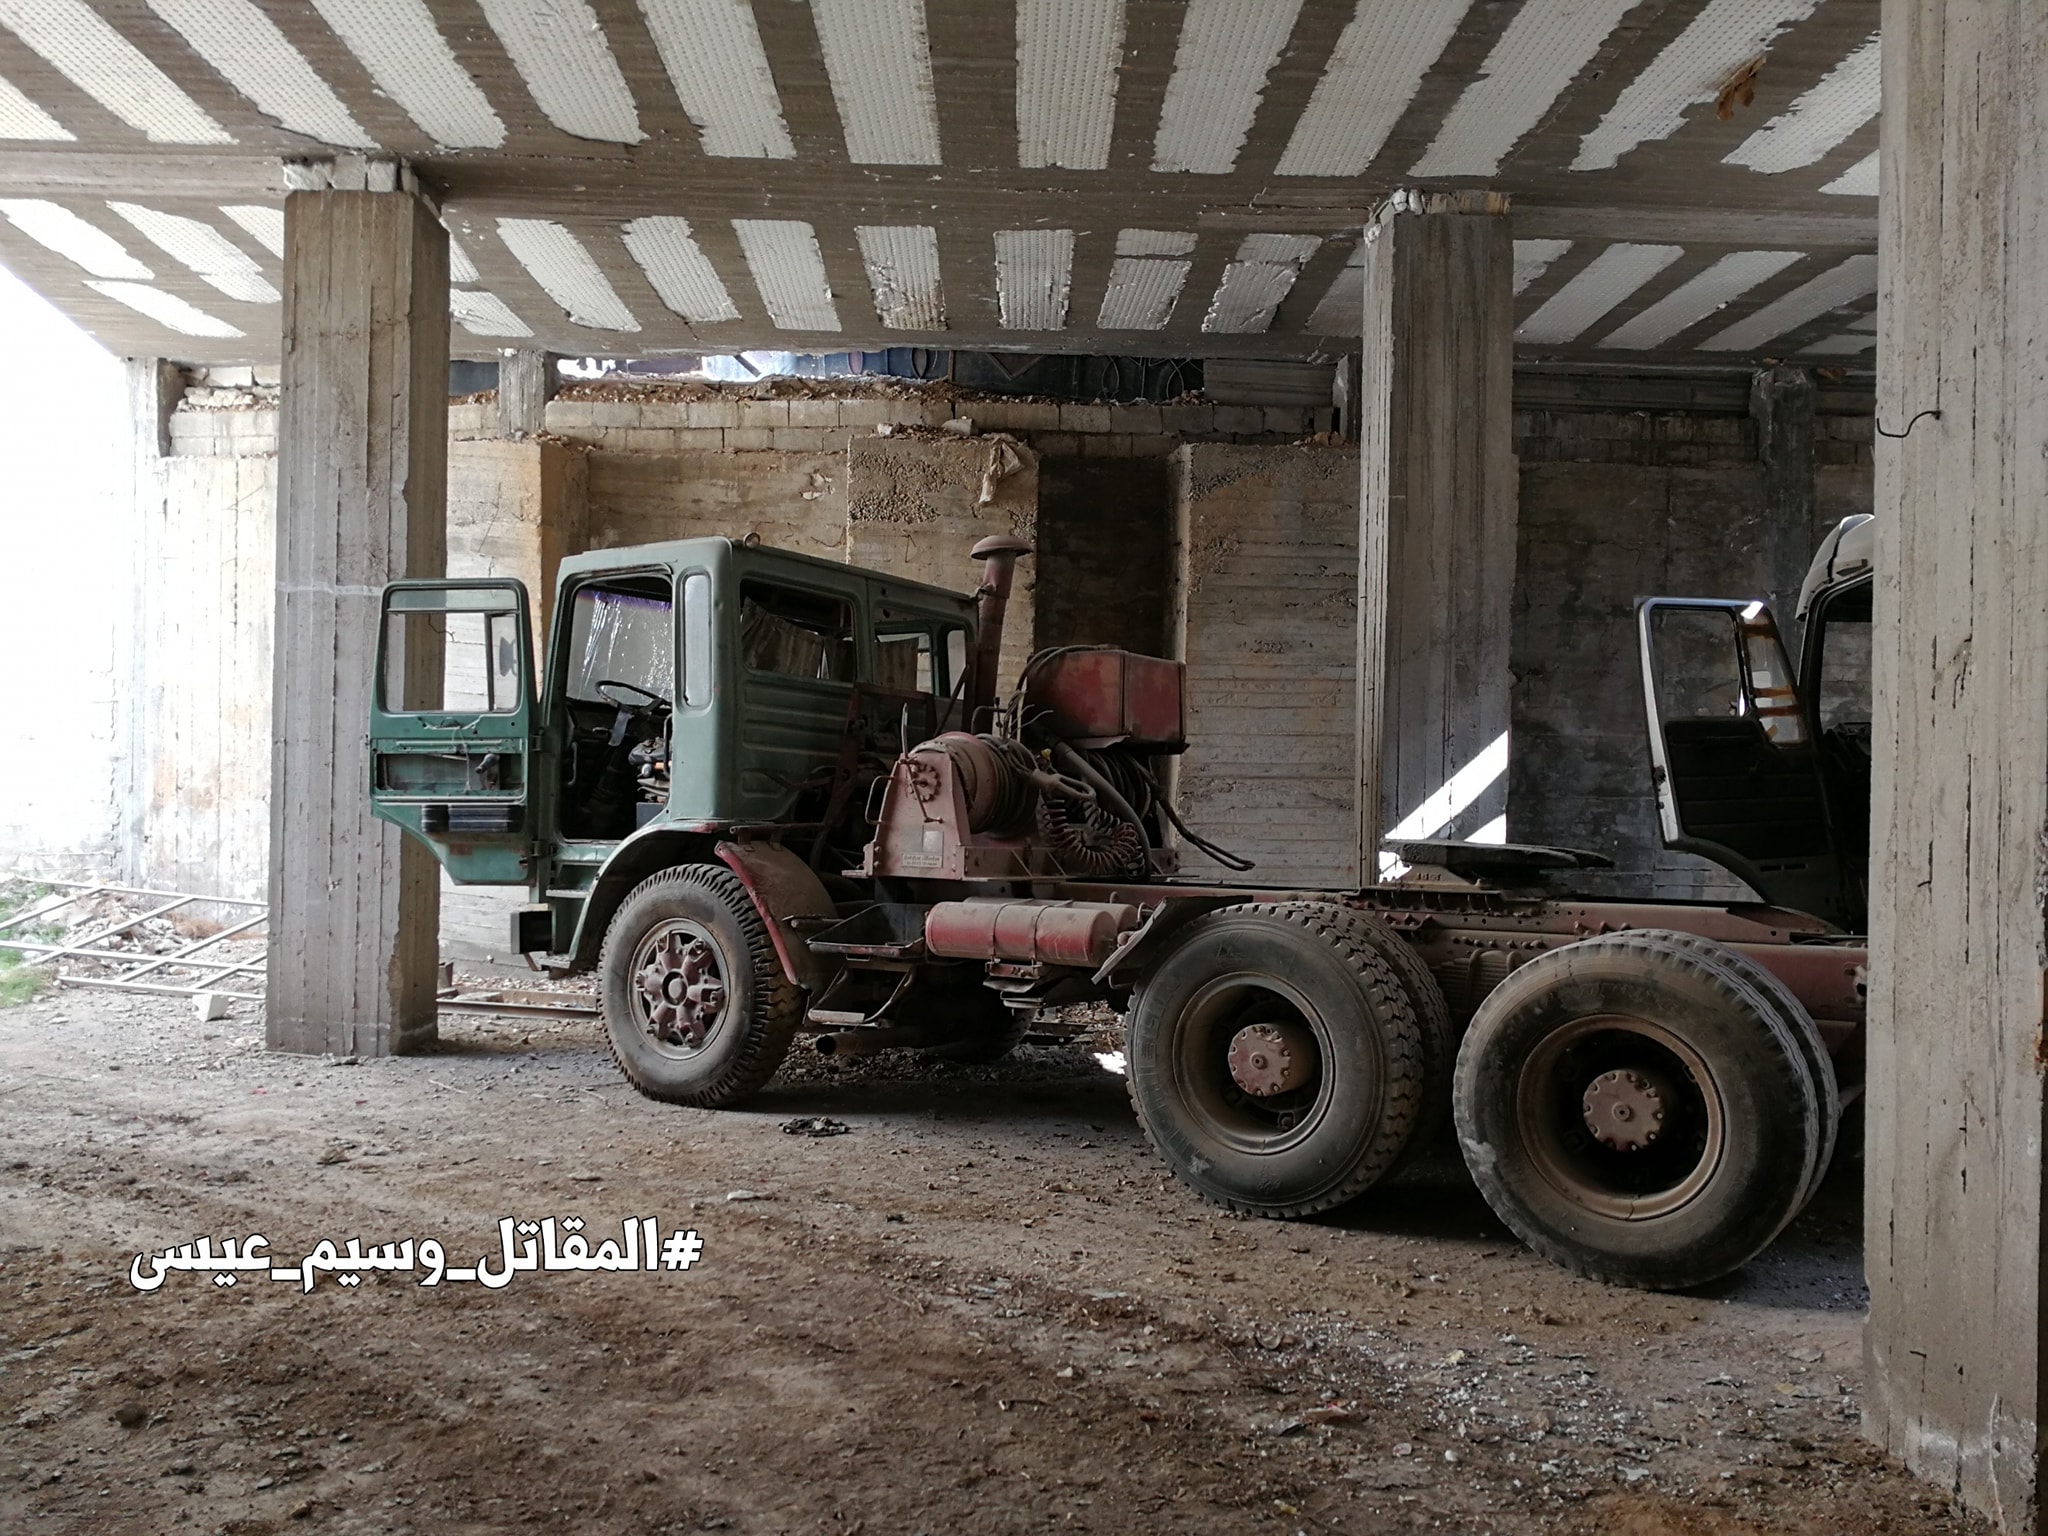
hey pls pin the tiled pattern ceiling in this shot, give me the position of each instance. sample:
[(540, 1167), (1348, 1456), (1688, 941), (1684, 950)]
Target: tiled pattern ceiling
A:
[(1693, 180)]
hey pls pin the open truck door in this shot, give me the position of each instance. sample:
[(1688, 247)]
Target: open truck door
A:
[(1732, 754), (451, 724)]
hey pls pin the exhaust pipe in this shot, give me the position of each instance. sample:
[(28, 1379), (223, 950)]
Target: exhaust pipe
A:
[(992, 601), (870, 1038)]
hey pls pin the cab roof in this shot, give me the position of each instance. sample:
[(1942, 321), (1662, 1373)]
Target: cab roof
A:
[(719, 551)]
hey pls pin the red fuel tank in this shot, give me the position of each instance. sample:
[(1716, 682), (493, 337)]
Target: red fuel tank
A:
[(1072, 933)]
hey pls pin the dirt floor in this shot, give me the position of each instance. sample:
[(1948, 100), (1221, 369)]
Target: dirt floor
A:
[(983, 1308)]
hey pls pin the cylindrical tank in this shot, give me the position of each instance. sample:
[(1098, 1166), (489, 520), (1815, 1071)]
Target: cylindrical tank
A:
[(1070, 933)]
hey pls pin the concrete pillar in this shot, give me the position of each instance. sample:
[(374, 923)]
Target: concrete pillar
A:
[(1959, 903), (526, 383), (1436, 516), (1781, 403), (362, 489), (154, 389)]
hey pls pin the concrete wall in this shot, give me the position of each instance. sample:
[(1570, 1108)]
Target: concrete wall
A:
[(1617, 506), (1264, 612), (64, 587)]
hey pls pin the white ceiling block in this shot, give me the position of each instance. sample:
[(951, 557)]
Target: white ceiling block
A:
[(1155, 242), (57, 228), (1142, 292), (405, 53), (712, 51), (460, 268), (1034, 274), (556, 260), (1860, 180), (561, 53), (80, 46), (21, 118), (1068, 53), (789, 273), (879, 61), (1255, 283), (1595, 289), (1853, 279), (166, 309), (1539, 55), (264, 224), (1372, 75), (203, 250), (1819, 120), (1723, 37), (259, 61), (1226, 50), (484, 314), (678, 270), (1533, 259), (903, 271), (1698, 297)]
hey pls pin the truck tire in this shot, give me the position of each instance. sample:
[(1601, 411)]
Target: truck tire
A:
[(1637, 1112), (1275, 1059), (1432, 1014), (696, 1008), (1813, 1050)]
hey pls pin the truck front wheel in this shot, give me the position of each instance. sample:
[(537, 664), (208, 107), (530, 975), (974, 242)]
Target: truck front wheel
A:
[(1275, 1059), (696, 1007), (1637, 1112)]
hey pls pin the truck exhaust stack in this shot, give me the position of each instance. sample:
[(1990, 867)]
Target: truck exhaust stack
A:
[(993, 599)]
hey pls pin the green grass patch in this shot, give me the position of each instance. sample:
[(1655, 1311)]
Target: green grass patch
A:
[(21, 981)]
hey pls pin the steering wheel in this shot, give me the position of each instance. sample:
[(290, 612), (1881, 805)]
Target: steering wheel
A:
[(651, 698)]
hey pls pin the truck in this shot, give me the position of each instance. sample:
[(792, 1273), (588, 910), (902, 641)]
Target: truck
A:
[(764, 795)]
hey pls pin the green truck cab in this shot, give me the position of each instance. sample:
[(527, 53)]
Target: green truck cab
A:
[(690, 692)]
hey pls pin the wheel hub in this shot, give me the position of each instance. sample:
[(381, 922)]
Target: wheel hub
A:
[(1271, 1059), (681, 988), (1624, 1108)]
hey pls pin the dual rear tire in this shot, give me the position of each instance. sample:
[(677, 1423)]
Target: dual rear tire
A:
[(1647, 1108)]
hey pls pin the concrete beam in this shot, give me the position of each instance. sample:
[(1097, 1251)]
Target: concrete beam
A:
[(1436, 513), (1954, 1184), (362, 493), (526, 383), (1781, 402)]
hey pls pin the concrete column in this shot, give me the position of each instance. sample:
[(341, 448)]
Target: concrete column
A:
[(1781, 404), (154, 390), (526, 383), (362, 490), (1436, 515), (1959, 903)]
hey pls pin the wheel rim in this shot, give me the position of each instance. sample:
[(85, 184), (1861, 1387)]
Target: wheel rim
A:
[(680, 995), (1247, 1010), (1621, 1116)]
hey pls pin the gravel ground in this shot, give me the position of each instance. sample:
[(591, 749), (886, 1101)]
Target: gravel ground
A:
[(982, 1307)]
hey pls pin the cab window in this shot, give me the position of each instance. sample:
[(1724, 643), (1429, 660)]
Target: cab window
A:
[(793, 633)]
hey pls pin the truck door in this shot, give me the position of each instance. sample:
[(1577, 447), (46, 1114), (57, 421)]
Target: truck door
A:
[(451, 724), (1731, 751)]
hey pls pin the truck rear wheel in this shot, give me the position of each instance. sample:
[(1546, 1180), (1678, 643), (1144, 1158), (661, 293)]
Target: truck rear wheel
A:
[(1275, 1059), (1432, 1016), (1813, 1050), (696, 1007), (1637, 1112)]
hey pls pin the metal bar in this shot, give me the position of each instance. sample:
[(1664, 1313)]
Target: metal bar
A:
[(461, 1005), (148, 986), (107, 933), (139, 890), (36, 912), (128, 957), (199, 944)]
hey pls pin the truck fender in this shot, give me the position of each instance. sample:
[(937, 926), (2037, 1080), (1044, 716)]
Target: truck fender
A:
[(783, 886), (1140, 949)]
